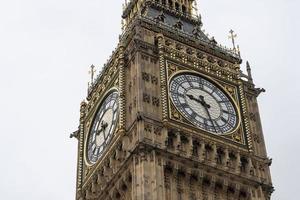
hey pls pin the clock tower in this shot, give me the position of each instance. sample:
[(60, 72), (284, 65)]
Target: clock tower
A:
[(171, 116)]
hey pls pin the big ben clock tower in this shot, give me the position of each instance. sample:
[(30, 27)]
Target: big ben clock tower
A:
[(171, 116)]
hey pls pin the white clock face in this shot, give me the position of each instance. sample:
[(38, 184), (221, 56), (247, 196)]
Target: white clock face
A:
[(203, 103), (103, 127)]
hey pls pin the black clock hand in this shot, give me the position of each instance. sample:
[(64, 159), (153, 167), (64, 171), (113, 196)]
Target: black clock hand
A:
[(203, 102), (206, 107), (209, 116), (191, 97), (197, 100), (103, 127)]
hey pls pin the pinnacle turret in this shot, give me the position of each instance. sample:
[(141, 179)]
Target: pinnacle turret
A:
[(185, 8)]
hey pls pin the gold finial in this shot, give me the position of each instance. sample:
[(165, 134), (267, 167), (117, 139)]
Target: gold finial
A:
[(238, 50), (92, 73), (195, 8), (125, 5), (248, 67), (232, 36)]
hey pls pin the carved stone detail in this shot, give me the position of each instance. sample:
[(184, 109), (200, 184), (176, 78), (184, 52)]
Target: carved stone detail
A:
[(145, 76), (154, 80), (146, 98), (155, 101)]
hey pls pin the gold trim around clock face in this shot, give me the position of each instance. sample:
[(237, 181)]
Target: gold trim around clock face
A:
[(217, 85), (90, 122)]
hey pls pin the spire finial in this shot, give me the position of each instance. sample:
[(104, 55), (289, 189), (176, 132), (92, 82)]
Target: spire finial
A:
[(92, 73), (249, 72), (195, 8), (232, 36), (238, 50)]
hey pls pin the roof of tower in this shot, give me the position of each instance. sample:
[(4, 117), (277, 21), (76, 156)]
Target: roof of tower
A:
[(180, 17), (186, 7)]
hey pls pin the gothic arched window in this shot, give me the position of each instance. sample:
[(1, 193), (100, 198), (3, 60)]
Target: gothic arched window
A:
[(184, 9), (177, 6), (171, 4)]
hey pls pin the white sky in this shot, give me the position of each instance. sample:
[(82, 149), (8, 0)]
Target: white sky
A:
[(46, 47)]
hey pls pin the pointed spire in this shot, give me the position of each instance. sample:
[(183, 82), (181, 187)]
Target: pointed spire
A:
[(238, 50), (123, 6), (92, 73), (195, 8), (88, 88), (232, 36), (249, 72), (199, 16)]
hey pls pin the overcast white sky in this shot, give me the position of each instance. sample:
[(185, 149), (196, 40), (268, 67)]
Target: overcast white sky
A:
[(46, 47)]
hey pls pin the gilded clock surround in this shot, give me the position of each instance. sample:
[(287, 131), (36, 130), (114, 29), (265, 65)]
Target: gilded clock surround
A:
[(110, 78), (231, 88), (89, 125), (175, 114), (156, 153)]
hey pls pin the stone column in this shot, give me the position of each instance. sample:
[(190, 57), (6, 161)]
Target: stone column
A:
[(226, 158), (238, 163), (214, 154), (202, 151)]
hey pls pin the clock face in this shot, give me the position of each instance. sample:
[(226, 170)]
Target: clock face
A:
[(103, 127), (203, 103)]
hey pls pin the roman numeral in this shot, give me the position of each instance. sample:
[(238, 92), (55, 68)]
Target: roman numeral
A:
[(94, 148), (223, 101), (184, 105), (213, 90), (115, 110), (188, 81), (200, 82), (95, 151), (226, 111), (193, 115), (229, 113), (114, 104), (223, 119), (183, 88), (178, 94), (205, 123), (219, 127)]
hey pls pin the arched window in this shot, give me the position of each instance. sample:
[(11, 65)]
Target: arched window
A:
[(163, 2), (177, 6), (171, 4), (184, 9)]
